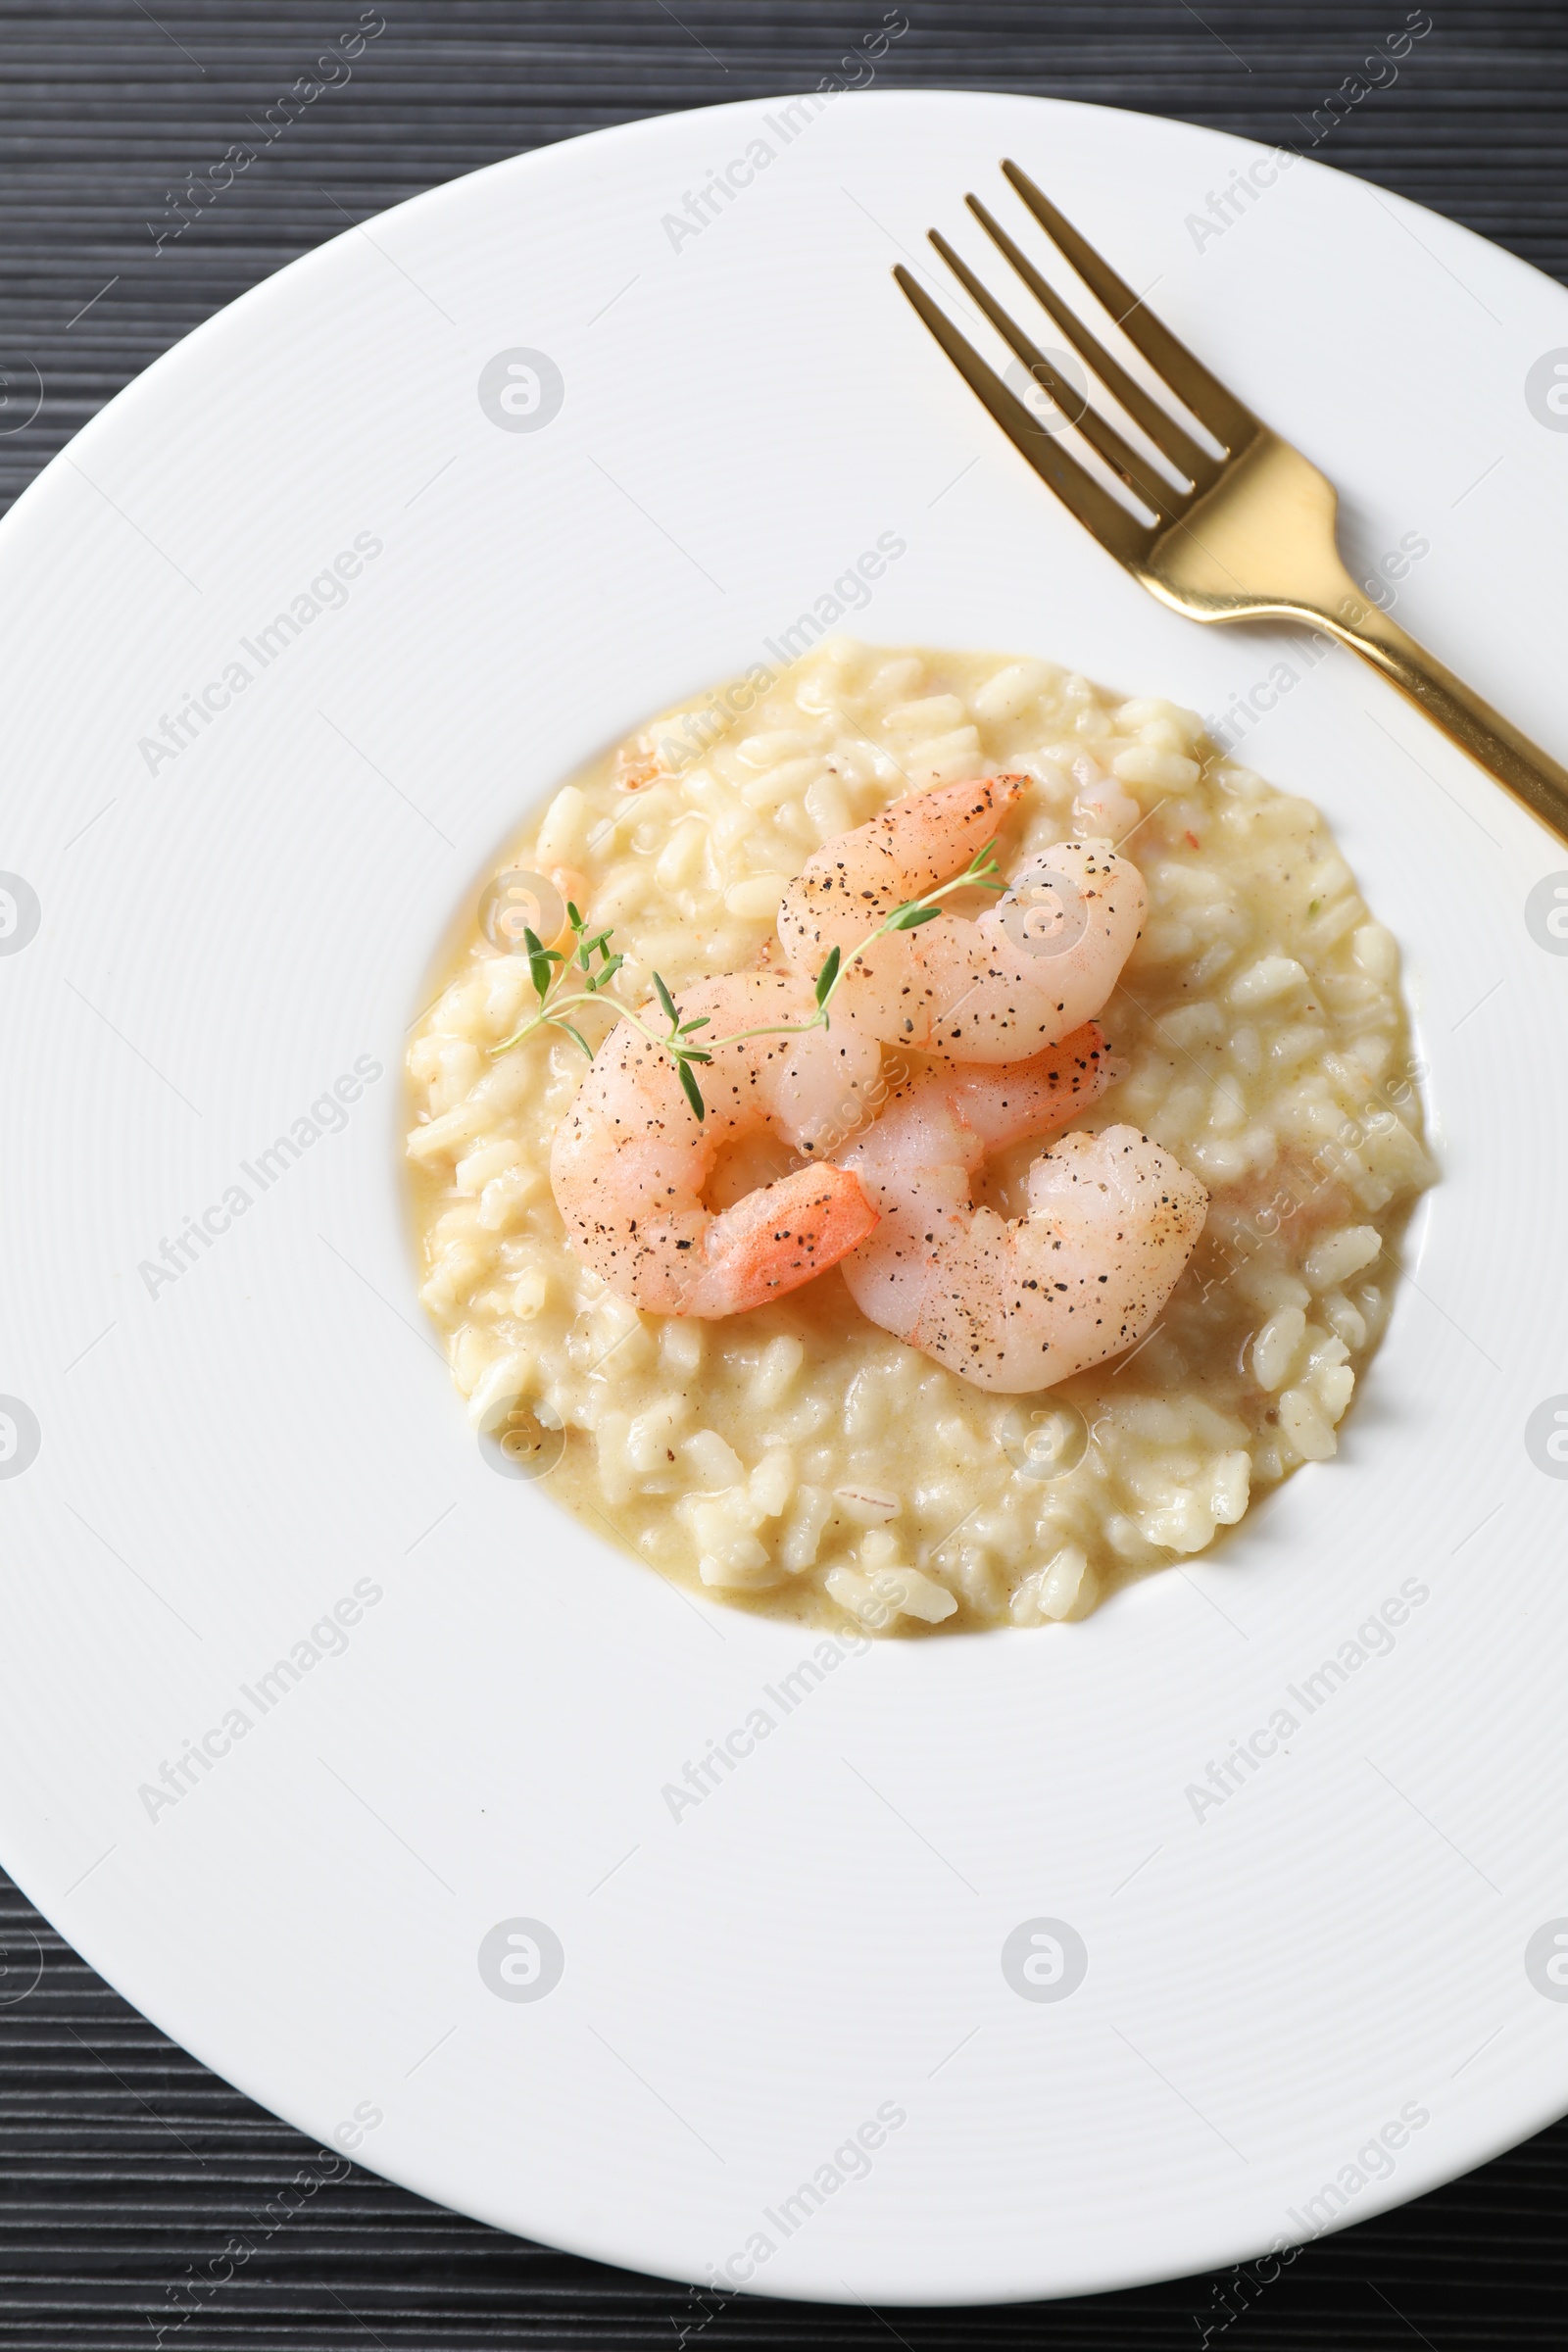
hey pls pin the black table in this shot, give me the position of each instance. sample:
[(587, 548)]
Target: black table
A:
[(128, 2174)]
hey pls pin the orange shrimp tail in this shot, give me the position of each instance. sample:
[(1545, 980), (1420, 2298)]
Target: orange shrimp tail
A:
[(781, 1236), (949, 825)]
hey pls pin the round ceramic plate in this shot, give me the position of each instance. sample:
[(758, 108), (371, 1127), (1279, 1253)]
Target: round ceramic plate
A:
[(345, 1758)]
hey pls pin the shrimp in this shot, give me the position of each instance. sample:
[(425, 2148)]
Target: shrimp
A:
[(1021, 1305), (630, 1160), (1023, 975)]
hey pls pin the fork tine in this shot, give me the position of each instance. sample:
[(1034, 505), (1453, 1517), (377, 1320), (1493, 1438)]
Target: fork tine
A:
[(1178, 445), (1121, 535), (1143, 479), (1231, 425)]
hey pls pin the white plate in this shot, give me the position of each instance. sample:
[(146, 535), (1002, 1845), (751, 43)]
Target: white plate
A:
[(1270, 1982)]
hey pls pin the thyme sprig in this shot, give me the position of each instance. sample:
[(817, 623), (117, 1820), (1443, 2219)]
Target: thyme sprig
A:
[(579, 975)]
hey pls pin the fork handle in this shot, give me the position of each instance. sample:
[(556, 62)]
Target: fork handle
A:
[(1529, 772)]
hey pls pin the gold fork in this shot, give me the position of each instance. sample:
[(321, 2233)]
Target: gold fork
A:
[(1244, 535)]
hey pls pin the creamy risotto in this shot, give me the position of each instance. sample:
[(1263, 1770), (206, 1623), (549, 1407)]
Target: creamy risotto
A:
[(796, 1460)]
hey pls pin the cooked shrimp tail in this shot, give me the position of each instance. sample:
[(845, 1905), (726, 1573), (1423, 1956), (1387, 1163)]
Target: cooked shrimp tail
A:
[(777, 1237)]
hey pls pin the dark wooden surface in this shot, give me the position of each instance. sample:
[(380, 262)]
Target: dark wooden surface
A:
[(126, 2168)]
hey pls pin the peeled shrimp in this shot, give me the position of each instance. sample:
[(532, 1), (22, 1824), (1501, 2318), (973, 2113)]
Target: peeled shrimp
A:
[(1018, 1306), (630, 1160), (1025, 973)]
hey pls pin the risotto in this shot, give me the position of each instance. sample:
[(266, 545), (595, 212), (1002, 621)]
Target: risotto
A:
[(796, 1460)]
